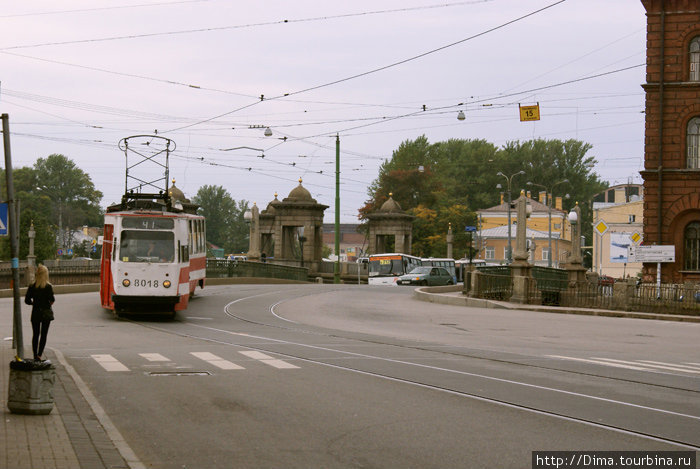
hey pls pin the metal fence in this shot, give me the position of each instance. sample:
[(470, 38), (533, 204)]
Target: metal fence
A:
[(493, 283), (666, 298), (549, 286), (224, 268)]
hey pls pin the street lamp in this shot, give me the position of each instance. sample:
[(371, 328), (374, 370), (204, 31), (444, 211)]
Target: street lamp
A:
[(509, 179), (550, 193)]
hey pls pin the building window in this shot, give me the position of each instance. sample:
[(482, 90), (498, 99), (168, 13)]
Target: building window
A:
[(490, 253), (695, 59), (691, 253), (545, 254), (693, 139)]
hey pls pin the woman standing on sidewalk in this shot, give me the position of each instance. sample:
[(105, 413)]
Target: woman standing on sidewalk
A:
[(40, 296)]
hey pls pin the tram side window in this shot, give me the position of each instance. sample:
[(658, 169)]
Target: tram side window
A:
[(202, 244), (147, 246), (189, 232)]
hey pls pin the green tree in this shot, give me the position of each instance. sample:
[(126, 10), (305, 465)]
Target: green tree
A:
[(226, 226), (58, 198), (446, 182), (70, 193)]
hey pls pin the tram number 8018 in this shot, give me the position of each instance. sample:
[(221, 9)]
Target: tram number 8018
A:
[(146, 283)]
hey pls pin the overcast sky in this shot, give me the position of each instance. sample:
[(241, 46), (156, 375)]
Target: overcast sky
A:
[(78, 76)]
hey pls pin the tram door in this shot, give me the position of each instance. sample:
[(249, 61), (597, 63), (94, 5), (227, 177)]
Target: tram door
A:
[(106, 265)]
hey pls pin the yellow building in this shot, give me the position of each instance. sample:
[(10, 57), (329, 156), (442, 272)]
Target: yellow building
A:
[(617, 224), (493, 233)]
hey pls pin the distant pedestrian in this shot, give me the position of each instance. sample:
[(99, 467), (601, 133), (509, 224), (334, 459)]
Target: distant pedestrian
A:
[(40, 296)]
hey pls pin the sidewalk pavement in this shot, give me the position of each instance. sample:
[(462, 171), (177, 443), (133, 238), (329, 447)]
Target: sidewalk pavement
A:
[(69, 437)]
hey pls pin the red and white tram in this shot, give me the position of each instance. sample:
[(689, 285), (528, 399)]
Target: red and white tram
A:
[(153, 256)]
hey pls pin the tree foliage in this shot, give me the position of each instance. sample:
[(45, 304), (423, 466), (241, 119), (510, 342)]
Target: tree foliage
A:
[(226, 226), (447, 182), (54, 194)]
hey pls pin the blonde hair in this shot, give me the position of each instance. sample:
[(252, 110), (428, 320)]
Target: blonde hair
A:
[(42, 276)]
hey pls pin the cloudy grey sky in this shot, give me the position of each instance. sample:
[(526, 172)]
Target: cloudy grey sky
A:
[(77, 76)]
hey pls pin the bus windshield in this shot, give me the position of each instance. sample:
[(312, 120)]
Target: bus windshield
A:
[(146, 246), (385, 266)]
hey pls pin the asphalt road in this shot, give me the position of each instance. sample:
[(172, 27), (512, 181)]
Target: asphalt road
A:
[(310, 376)]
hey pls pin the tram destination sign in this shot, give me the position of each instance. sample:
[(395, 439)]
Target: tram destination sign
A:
[(651, 254)]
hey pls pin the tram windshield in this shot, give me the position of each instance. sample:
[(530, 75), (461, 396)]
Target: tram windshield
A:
[(146, 246)]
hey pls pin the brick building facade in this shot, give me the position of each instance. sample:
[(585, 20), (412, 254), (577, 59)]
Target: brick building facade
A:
[(672, 137)]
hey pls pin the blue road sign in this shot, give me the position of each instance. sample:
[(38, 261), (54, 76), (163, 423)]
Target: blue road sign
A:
[(4, 219), (470, 229)]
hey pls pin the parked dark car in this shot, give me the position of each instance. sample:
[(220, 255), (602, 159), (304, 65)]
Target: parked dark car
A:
[(426, 275)]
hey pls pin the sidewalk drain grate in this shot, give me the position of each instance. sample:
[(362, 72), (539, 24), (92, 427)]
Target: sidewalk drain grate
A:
[(179, 373)]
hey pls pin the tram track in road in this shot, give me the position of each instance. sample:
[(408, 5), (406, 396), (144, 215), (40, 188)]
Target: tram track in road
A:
[(274, 344)]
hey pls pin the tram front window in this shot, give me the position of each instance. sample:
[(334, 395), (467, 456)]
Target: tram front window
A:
[(146, 246)]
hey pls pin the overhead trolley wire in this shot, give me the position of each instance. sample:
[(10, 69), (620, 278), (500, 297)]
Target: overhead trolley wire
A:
[(369, 72)]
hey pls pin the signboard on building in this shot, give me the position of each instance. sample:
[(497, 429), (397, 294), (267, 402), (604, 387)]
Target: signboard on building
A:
[(652, 253), (619, 245)]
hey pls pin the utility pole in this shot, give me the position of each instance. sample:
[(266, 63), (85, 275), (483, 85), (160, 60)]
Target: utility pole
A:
[(13, 220), (336, 270)]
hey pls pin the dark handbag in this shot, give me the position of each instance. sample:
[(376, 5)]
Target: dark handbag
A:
[(47, 314)]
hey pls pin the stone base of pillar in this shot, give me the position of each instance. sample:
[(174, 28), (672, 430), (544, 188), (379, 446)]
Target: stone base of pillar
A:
[(522, 273), (576, 272), (31, 388)]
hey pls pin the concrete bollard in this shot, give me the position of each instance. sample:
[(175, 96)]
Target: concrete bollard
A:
[(31, 387)]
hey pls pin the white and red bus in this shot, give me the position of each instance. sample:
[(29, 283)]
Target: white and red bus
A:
[(385, 269), (153, 257)]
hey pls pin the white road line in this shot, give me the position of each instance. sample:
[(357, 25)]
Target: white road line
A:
[(109, 363), (600, 362), (672, 368), (268, 360), (679, 365), (696, 364), (217, 361), (154, 357)]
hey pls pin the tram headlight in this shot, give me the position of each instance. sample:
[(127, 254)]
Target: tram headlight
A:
[(126, 282), (166, 283)]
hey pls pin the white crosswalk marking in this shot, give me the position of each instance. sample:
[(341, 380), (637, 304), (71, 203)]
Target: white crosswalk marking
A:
[(154, 357), (651, 364), (268, 360), (600, 362), (109, 363), (642, 365), (216, 361)]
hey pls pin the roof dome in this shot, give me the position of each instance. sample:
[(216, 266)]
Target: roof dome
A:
[(390, 206), (176, 194), (300, 194), (271, 207)]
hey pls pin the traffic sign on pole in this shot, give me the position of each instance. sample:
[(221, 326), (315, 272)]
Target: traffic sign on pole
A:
[(601, 227), (3, 219)]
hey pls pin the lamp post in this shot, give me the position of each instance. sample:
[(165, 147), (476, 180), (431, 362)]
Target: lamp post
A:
[(549, 192), (509, 179)]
